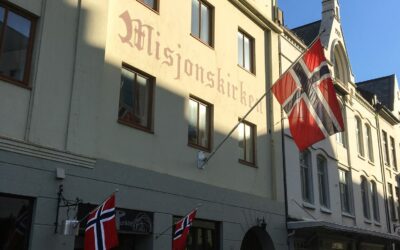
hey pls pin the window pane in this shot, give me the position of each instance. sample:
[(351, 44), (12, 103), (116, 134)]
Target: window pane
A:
[(205, 24), (151, 3), (249, 144), (141, 101), (203, 125), (126, 96), (241, 139), (192, 133), (240, 49), (15, 222), (247, 53), (15, 46), (195, 18)]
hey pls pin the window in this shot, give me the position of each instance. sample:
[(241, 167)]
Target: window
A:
[(306, 177), (135, 101), (323, 181), (152, 4), (340, 135), (360, 148), (393, 149), (203, 235), (16, 43), (365, 198), (368, 140), (385, 148), (202, 21), (391, 202), (246, 51), (344, 186), (247, 135), (199, 132), (15, 222), (374, 198)]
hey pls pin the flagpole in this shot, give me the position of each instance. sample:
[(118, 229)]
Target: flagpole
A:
[(207, 159), (81, 220), (169, 227)]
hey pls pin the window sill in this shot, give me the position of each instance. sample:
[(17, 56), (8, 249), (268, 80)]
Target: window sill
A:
[(15, 82), (210, 46), (207, 150), (308, 205), (250, 164), (248, 71), (346, 214), (371, 163), (377, 223), (361, 157), (326, 210), (150, 8), (367, 221), (144, 129)]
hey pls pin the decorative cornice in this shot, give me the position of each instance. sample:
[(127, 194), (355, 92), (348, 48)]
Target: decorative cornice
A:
[(29, 149)]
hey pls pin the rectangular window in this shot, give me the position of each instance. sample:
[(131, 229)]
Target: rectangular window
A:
[(202, 21), (246, 52), (393, 150), (344, 186), (136, 98), (199, 132), (247, 137), (368, 140), (306, 177), (385, 148), (375, 203), (15, 222), (391, 202), (203, 235), (152, 4), (323, 181), (16, 43)]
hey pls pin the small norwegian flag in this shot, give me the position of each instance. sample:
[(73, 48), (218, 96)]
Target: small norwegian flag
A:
[(182, 228), (309, 99), (101, 231)]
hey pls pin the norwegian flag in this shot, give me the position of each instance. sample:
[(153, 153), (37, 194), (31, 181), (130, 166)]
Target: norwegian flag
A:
[(182, 228), (101, 231), (309, 99)]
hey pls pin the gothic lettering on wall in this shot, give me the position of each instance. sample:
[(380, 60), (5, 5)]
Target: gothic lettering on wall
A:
[(145, 38)]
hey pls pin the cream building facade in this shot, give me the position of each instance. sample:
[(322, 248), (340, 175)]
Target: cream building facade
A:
[(103, 95), (341, 192)]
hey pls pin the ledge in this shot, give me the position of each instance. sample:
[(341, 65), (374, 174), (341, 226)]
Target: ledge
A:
[(326, 210), (308, 205), (29, 149)]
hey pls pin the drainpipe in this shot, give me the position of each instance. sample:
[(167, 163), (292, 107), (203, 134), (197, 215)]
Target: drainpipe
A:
[(388, 222)]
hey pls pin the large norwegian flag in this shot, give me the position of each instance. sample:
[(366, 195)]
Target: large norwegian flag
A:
[(182, 228), (309, 99), (101, 231)]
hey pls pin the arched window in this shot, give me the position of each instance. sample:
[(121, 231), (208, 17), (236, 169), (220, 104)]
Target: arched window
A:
[(374, 198), (323, 181), (365, 197), (368, 142), (340, 64), (306, 177), (359, 137)]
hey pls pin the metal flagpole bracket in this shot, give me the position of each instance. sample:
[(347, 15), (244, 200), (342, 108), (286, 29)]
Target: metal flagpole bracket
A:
[(201, 160), (70, 227)]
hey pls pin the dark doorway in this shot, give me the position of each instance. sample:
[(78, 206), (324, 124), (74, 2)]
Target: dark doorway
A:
[(257, 239)]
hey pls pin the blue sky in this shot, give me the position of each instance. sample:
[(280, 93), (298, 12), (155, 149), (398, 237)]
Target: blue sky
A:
[(371, 31)]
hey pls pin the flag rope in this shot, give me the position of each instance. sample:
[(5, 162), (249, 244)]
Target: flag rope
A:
[(207, 159), (169, 227)]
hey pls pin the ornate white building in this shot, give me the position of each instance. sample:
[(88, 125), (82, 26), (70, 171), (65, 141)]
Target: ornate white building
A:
[(343, 192)]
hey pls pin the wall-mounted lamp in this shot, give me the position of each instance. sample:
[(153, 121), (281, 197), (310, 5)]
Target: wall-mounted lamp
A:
[(262, 224)]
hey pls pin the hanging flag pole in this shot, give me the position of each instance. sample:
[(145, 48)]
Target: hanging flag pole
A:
[(169, 227), (208, 158)]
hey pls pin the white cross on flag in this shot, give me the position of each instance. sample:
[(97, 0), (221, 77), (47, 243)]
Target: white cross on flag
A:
[(308, 97), (101, 231)]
